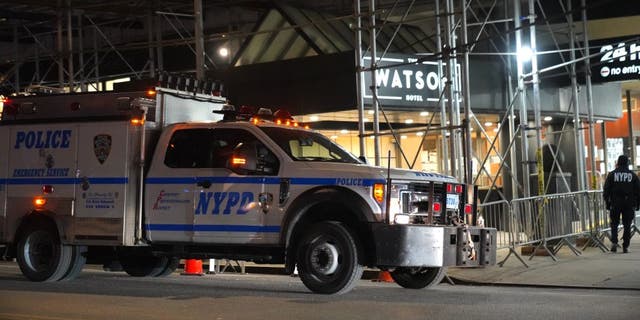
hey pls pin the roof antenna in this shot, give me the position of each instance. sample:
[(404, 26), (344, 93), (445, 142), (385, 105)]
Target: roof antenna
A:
[(388, 194)]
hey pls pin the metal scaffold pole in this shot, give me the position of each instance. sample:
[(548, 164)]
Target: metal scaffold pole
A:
[(441, 102), (69, 50), (523, 105), (16, 52), (359, 77), (151, 49), (587, 70), (513, 162), (536, 96), (197, 14), (374, 88), (468, 174), (59, 45), (448, 54), (577, 124)]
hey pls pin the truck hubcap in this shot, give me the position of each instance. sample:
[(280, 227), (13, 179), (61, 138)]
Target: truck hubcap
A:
[(324, 258), (38, 251)]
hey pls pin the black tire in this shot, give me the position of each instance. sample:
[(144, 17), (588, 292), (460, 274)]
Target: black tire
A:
[(328, 259), (41, 256), (78, 260), (143, 265), (418, 278), (172, 265)]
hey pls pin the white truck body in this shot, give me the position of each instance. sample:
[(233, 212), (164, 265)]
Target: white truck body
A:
[(154, 180)]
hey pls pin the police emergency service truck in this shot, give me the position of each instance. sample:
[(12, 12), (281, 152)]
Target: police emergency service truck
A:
[(147, 180)]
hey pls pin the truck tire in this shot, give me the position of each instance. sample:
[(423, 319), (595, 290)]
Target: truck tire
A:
[(328, 259), (418, 277), (172, 265), (78, 260), (41, 256), (143, 265)]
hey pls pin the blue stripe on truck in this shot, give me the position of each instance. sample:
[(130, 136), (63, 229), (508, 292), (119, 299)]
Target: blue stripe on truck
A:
[(262, 180), (212, 228), (194, 180), (105, 180)]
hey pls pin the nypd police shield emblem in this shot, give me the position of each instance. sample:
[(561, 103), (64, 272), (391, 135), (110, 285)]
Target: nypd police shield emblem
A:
[(102, 147)]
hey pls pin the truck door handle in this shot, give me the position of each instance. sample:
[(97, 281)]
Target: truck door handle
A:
[(204, 183)]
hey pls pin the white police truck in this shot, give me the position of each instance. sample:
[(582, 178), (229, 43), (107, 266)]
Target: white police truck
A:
[(142, 180)]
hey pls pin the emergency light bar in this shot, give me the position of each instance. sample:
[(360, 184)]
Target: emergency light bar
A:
[(247, 113)]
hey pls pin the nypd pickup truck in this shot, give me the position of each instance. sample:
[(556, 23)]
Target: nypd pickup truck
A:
[(142, 180)]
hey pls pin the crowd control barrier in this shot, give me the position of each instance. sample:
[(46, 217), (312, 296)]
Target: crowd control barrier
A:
[(549, 222)]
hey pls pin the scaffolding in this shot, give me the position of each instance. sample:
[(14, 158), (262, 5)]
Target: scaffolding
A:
[(454, 45), (79, 46)]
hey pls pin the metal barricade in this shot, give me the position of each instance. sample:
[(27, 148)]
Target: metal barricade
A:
[(549, 221), (498, 215), (563, 216), (597, 220)]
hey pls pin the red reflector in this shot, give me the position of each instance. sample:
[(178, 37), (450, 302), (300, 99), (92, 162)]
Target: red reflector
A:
[(46, 189), (449, 188), (459, 188), (468, 208), (437, 207)]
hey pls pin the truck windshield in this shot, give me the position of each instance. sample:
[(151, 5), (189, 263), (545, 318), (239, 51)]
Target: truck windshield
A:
[(308, 146)]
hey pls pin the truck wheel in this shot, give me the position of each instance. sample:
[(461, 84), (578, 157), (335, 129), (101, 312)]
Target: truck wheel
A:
[(144, 265), (172, 265), (328, 259), (41, 256), (78, 260), (418, 278)]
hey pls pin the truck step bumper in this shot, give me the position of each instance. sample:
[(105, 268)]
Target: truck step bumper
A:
[(433, 246)]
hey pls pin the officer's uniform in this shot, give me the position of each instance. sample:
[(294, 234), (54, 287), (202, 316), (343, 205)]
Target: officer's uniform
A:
[(622, 196)]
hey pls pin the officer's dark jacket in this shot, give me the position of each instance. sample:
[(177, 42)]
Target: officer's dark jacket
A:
[(622, 188)]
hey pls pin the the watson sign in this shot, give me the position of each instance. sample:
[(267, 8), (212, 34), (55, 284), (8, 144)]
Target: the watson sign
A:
[(409, 85), (619, 60)]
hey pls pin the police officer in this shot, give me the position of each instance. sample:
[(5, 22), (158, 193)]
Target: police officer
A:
[(622, 196)]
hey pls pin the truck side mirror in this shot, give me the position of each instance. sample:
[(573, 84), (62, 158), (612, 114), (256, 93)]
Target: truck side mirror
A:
[(243, 160), (252, 158)]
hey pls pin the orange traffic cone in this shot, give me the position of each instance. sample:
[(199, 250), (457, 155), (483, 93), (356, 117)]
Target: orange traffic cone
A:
[(384, 276), (193, 267)]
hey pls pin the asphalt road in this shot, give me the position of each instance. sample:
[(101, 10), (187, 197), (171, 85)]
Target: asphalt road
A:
[(100, 295)]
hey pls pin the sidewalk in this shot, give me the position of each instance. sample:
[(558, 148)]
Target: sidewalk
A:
[(592, 269)]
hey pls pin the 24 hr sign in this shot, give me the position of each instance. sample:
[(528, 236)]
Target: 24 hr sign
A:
[(619, 60)]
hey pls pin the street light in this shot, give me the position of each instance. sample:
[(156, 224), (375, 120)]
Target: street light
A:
[(525, 54), (223, 52)]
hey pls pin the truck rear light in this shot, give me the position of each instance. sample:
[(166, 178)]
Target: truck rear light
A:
[(458, 188), (39, 202), (437, 207), (449, 188), (46, 189), (378, 192), (468, 209), (151, 93)]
